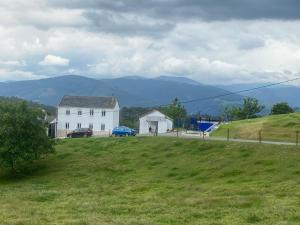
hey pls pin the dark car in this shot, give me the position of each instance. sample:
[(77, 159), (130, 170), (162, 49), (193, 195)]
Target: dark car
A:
[(81, 132), (123, 131)]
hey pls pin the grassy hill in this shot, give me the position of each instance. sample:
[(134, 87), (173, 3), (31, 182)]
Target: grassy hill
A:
[(273, 128), (148, 180)]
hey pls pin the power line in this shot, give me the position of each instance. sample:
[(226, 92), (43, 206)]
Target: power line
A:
[(236, 92)]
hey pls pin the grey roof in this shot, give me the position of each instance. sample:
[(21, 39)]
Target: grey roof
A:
[(88, 102)]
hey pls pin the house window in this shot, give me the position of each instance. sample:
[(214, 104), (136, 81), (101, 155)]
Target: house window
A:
[(79, 112), (68, 112), (103, 113), (67, 126), (91, 126), (78, 125), (91, 112), (102, 127)]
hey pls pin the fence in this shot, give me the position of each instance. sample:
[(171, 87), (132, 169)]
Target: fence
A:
[(261, 135)]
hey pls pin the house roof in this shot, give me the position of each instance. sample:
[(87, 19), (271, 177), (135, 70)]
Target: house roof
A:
[(155, 110), (88, 102)]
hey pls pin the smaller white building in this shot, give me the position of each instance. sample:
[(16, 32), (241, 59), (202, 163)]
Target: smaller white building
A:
[(155, 121)]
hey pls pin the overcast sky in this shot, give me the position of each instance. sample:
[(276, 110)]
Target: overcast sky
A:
[(211, 41)]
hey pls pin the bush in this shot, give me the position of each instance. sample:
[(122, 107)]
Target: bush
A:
[(281, 108)]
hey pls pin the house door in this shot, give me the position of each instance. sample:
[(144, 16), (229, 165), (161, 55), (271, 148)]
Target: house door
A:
[(153, 127)]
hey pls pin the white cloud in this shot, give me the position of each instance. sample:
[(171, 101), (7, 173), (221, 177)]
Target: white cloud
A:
[(52, 60), (12, 63), (210, 52), (14, 75)]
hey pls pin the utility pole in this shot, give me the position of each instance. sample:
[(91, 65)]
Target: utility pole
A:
[(227, 134), (259, 136), (177, 127)]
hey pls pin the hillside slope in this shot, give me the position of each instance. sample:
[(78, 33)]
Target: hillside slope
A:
[(157, 181), (131, 91), (273, 128)]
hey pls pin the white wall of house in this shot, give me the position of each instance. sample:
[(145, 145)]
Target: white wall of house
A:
[(153, 119), (102, 120)]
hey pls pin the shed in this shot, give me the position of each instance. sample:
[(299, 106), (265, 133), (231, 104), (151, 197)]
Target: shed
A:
[(155, 121)]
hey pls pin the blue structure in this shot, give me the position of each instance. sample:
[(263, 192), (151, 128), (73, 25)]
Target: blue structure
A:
[(205, 126), (202, 125)]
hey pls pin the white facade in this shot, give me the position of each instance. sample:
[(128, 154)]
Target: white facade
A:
[(101, 120), (155, 121)]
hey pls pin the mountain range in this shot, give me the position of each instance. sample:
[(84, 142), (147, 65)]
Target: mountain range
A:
[(131, 91), (148, 92)]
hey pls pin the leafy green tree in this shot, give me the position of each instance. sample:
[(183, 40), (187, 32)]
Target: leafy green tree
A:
[(232, 113), (281, 108), (23, 136), (175, 110), (249, 109), (129, 116)]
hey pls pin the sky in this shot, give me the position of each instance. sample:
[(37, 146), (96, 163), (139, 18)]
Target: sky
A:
[(211, 41)]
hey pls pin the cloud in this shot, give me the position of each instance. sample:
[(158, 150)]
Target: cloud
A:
[(127, 24), (209, 10), (52, 60), (13, 63), (15, 75), (211, 41), (252, 42)]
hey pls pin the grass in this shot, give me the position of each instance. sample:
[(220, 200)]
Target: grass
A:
[(273, 128), (155, 180)]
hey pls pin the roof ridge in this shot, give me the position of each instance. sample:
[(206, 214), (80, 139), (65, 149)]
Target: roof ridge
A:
[(88, 101)]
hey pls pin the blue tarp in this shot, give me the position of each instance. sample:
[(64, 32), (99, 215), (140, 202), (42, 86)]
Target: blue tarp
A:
[(204, 126)]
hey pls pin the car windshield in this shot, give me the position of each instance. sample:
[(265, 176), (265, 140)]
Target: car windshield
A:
[(122, 128)]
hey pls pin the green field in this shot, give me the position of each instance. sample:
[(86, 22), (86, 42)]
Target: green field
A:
[(155, 180), (273, 128)]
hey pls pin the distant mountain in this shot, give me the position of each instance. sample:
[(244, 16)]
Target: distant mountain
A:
[(131, 91), (182, 80), (269, 96)]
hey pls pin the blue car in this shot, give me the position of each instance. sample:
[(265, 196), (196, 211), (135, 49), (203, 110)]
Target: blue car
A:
[(123, 131)]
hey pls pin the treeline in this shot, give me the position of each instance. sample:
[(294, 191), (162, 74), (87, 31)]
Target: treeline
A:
[(251, 108), (51, 110)]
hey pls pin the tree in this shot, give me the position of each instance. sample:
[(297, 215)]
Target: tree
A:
[(249, 109), (175, 110), (129, 116), (23, 137), (281, 108)]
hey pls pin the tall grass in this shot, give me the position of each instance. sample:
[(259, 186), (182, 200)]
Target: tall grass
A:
[(156, 181), (272, 128)]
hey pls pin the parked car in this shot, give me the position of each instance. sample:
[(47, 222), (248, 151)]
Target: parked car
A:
[(81, 132), (123, 131)]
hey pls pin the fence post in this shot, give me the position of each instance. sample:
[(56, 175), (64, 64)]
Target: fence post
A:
[(259, 136), (227, 134), (297, 137), (203, 135)]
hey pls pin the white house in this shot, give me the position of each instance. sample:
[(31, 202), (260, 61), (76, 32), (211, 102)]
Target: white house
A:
[(155, 121), (101, 114)]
